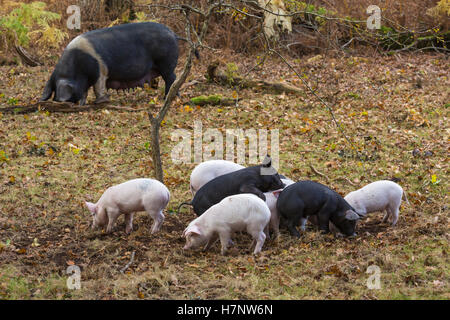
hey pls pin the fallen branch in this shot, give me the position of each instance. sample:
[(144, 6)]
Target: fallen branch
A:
[(129, 263), (213, 74), (318, 173), (26, 57), (191, 83), (63, 107), (346, 180)]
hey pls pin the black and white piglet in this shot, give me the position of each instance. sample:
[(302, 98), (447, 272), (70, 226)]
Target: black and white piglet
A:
[(256, 180), (308, 198)]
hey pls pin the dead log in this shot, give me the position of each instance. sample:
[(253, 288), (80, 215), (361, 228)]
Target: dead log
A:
[(62, 107), (220, 77), (26, 57), (213, 100)]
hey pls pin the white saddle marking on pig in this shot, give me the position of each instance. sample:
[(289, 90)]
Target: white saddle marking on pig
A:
[(84, 45)]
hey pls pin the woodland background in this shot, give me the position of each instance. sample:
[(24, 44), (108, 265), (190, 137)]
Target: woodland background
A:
[(388, 90)]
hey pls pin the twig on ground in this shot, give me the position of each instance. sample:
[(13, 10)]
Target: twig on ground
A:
[(129, 263), (346, 180), (318, 173)]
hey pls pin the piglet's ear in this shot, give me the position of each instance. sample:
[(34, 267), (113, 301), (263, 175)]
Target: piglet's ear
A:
[(351, 215), (191, 229), (276, 193), (267, 162), (92, 207)]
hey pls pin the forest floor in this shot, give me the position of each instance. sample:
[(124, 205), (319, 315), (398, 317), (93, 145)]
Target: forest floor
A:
[(393, 109)]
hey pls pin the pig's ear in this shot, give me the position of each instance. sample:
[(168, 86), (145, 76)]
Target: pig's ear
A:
[(276, 193), (48, 91), (351, 215), (92, 207), (267, 162), (192, 229)]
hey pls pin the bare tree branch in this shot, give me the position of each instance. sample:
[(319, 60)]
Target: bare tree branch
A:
[(156, 121)]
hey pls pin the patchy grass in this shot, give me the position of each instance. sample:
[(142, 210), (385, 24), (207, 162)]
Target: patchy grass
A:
[(50, 163)]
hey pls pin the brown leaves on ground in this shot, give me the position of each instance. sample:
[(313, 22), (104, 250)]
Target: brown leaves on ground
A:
[(51, 163)]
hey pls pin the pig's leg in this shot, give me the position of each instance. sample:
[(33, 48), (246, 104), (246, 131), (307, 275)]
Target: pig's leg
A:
[(169, 79), (259, 238), (158, 218), (291, 227), (394, 214), (266, 231), (323, 216), (324, 223), (112, 217), (211, 242), (129, 222), (303, 224), (386, 216), (83, 99), (224, 240), (252, 245), (275, 225), (100, 89)]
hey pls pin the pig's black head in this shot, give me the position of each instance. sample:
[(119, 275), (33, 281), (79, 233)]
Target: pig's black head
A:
[(69, 90), (270, 179), (66, 90), (346, 222)]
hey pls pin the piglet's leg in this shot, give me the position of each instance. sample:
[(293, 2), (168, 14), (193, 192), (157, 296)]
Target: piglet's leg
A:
[(266, 231), (158, 218), (275, 225), (224, 240), (260, 238), (386, 216), (129, 222), (292, 230), (112, 217), (323, 217), (394, 214), (211, 242), (324, 226), (303, 224), (252, 245)]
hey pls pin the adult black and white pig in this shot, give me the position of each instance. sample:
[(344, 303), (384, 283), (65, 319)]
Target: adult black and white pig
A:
[(305, 198), (120, 57), (255, 180)]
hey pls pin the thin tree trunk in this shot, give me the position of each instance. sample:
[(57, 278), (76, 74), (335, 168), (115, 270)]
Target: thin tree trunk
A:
[(156, 121)]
